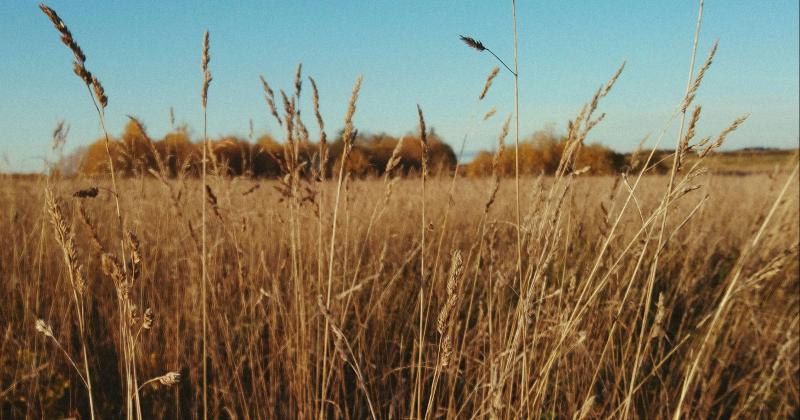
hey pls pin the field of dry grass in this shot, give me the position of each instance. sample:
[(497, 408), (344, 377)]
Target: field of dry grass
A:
[(576, 336), (190, 293)]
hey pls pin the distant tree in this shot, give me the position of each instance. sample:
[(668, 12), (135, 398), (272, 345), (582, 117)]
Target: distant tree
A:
[(480, 166), (177, 152), (542, 153), (135, 154), (267, 155), (95, 162)]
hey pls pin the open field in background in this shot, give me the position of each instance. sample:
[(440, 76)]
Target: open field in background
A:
[(265, 328), (738, 162)]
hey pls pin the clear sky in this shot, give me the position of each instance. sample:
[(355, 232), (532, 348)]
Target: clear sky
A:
[(147, 56)]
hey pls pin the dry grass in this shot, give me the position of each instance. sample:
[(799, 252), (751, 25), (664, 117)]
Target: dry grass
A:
[(253, 333), (633, 296)]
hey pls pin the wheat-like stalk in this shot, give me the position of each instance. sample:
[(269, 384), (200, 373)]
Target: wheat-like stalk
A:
[(478, 46), (423, 138), (488, 84), (65, 239), (445, 323), (204, 275), (167, 379), (496, 159), (347, 139), (269, 96)]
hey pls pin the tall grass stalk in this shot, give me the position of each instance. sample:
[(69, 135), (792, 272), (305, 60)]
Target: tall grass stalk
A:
[(664, 204), (421, 297), (518, 210), (206, 57), (348, 135)]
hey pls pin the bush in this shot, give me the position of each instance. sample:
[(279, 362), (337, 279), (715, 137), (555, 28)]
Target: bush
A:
[(542, 152)]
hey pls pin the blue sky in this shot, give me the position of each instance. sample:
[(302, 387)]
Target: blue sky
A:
[(147, 56)]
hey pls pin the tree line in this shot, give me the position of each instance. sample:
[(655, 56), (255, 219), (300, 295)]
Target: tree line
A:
[(134, 153)]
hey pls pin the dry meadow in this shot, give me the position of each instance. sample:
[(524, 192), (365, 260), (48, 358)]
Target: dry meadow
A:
[(570, 342), (181, 291)]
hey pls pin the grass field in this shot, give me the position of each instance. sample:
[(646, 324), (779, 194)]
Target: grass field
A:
[(165, 287), (571, 342)]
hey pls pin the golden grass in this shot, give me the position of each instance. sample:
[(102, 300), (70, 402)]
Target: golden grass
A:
[(253, 344), (633, 295)]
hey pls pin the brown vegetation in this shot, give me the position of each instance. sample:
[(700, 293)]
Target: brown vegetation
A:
[(135, 153), (254, 339), (319, 294)]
